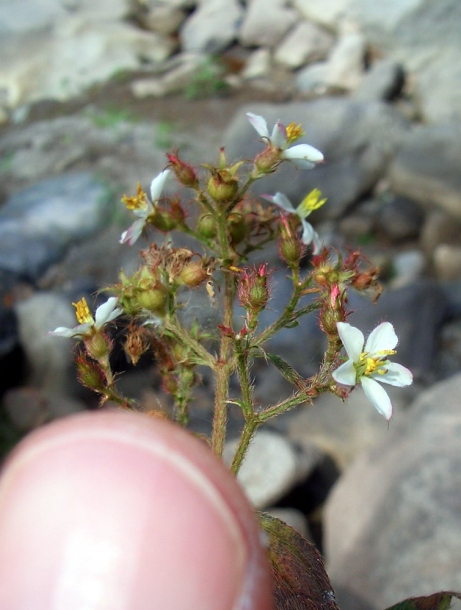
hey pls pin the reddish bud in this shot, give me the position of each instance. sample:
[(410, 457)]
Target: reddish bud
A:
[(90, 373), (185, 173), (253, 291)]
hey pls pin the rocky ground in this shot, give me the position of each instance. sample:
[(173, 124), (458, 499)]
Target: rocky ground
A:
[(391, 139)]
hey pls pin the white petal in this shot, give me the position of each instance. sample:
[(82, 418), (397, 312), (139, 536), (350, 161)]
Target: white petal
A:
[(308, 233), (346, 373), (377, 396), (62, 331), (304, 152), (383, 337), (301, 163), (259, 123), (132, 234), (317, 243), (157, 184), (352, 339), (397, 375), (77, 331), (279, 135), (282, 201), (107, 312)]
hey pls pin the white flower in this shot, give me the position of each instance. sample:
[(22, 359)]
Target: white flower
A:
[(303, 156), (311, 202), (370, 365), (105, 313), (142, 207)]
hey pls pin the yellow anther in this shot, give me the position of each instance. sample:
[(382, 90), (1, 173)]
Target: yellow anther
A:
[(138, 202), (82, 312), (311, 202), (387, 352), (294, 132)]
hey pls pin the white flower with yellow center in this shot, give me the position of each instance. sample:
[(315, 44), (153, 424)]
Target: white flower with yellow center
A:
[(368, 363), (142, 207), (105, 313), (311, 202), (303, 156)]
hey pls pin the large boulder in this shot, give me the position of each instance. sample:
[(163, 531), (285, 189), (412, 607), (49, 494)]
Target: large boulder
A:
[(393, 521)]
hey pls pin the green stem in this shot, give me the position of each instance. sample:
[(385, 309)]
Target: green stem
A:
[(249, 429), (243, 369), (226, 364)]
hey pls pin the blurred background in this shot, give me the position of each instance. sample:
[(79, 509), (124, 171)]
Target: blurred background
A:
[(92, 94)]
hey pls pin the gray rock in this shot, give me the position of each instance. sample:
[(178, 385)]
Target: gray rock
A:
[(393, 521), (357, 139), (110, 46), (271, 468), (162, 17), (398, 218), (49, 358), (312, 79), (384, 81), (344, 431), (346, 62), (29, 407), (212, 26), (439, 228), (258, 64), (304, 44), (447, 262), (39, 223), (174, 80), (425, 37), (426, 168), (325, 12), (408, 267), (266, 22)]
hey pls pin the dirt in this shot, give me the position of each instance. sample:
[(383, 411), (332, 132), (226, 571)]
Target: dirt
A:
[(185, 113)]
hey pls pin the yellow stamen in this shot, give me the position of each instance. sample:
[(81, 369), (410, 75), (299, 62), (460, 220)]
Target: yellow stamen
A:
[(310, 202), (82, 312), (376, 363), (138, 202), (294, 132)]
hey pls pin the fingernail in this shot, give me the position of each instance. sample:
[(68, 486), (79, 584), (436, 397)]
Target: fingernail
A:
[(116, 516)]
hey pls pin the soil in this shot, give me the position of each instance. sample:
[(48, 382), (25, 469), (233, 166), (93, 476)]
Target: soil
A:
[(185, 113)]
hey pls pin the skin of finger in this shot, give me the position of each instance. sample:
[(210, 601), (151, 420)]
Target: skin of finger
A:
[(120, 511)]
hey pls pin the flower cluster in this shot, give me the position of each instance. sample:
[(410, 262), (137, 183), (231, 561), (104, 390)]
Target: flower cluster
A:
[(216, 212)]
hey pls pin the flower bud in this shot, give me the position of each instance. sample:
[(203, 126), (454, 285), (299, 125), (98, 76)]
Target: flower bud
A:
[(238, 228), (192, 274), (153, 299), (222, 186), (253, 291), (98, 345), (90, 373), (163, 220), (267, 161), (185, 173), (290, 246), (206, 226)]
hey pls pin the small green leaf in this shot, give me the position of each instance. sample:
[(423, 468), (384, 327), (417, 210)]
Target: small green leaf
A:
[(287, 371), (300, 580), (436, 601)]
